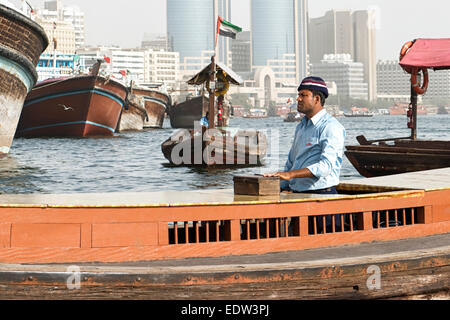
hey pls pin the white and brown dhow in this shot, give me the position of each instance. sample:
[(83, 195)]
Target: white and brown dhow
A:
[(156, 104), (22, 41)]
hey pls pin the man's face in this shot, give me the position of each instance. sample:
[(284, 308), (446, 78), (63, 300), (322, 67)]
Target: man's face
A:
[(305, 102)]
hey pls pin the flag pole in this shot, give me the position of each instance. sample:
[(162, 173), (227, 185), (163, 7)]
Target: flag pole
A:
[(212, 80)]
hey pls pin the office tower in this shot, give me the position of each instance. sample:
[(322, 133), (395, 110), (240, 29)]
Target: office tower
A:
[(191, 26), (365, 47), (279, 28), (347, 74), (224, 44), (346, 32), (242, 53)]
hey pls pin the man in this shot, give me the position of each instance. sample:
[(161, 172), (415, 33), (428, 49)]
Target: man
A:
[(315, 160)]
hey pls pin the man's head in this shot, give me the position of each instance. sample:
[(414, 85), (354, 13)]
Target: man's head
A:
[(312, 94)]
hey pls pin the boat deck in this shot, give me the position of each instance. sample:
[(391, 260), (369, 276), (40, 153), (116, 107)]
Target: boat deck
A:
[(211, 244), (424, 181)]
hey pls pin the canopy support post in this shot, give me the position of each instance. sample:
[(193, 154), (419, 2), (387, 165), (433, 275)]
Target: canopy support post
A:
[(413, 116), (212, 95)]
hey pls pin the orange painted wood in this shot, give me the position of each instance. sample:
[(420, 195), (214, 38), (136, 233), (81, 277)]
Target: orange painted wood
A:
[(46, 235), (117, 234), (124, 235), (77, 255), (86, 235), (367, 221), (5, 235)]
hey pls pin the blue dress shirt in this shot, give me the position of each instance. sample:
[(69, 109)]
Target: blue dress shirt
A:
[(318, 146)]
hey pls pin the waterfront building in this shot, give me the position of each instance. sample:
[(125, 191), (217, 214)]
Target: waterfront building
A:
[(126, 64), (62, 65), (61, 35), (279, 28), (347, 32), (394, 84), (154, 41), (54, 11), (162, 67), (347, 74)]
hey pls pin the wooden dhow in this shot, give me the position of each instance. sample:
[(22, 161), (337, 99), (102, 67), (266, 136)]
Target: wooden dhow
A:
[(21, 43), (388, 156), (133, 115), (78, 106), (213, 244), (184, 115), (208, 146), (157, 104)]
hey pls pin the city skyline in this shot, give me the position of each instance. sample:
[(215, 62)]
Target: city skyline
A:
[(397, 23)]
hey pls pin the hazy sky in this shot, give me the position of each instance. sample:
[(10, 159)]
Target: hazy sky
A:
[(124, 22)]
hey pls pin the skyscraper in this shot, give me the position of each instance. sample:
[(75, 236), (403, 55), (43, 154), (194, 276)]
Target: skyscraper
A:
[(280, 28), (191, 26), (346, 32)]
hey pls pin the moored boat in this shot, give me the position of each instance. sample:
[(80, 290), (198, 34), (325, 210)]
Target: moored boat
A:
[(407, 154), (21, 43), (157, 105), (245, 148), (184, 115), (78, 106), (133, 115)]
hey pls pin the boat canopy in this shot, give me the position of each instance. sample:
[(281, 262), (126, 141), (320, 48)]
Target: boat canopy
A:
[(203, 75), (428, 53)]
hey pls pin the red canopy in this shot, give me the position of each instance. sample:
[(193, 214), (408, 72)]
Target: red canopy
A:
[(428, 53)]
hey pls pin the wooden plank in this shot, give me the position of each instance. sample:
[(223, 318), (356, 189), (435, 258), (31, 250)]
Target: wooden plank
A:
[(46, 236), (125, 235)]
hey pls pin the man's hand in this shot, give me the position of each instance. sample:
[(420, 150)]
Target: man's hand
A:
[(296, 174), (284, 176)]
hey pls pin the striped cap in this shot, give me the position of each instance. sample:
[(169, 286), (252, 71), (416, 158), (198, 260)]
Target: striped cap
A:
[(314, 83)]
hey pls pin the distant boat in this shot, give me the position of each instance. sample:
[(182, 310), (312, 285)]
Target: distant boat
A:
[(294, 117), (157, 105), (359, 115), (256, 114), (21, 43), (184, 115), (78, 106), (401, 109)]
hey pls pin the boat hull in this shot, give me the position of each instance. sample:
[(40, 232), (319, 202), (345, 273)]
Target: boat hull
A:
[(375, 160), (157, 105), (184, 115), (221, 152), (214, 244), (21, 43), (81, 106)]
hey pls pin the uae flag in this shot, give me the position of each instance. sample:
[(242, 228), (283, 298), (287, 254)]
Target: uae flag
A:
[(227, 29)]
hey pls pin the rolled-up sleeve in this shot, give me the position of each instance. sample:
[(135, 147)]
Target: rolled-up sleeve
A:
[(332, 143)]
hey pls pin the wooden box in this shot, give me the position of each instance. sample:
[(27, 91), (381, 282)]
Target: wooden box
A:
[(256, 186)]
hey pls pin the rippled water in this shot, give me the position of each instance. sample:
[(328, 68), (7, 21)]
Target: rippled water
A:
[(133, 162)]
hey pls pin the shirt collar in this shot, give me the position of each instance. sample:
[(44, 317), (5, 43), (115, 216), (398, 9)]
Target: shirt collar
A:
[(315, 120)]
